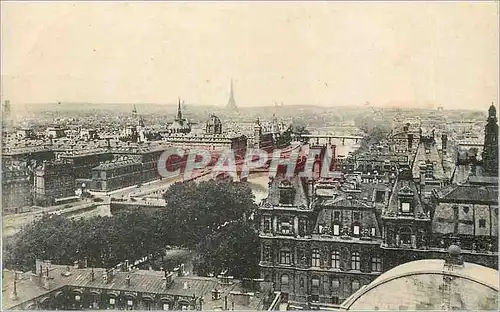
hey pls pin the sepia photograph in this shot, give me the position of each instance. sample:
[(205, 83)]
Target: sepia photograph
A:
[(249, 155)]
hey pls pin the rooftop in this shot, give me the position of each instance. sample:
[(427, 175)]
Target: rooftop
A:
[(150, 282)]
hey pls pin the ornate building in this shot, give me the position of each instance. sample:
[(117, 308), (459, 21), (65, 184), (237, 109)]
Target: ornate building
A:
[(270, 135), (180, 124), (320, 241), (490, 151)]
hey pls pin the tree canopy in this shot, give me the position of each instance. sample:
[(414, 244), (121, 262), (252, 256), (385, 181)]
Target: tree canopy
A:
[(210, 218)]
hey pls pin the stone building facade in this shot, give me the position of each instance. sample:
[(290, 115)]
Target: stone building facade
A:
[(53, 180)]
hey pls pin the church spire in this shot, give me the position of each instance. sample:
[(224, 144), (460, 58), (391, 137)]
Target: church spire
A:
[(179, 111), (134, 112)]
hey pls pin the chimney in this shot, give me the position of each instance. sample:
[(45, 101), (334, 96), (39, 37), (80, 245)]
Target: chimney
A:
[(128, 280), (168, 279), (92, 275)]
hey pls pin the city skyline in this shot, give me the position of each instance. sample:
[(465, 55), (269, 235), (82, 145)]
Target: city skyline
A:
[(400, 54)]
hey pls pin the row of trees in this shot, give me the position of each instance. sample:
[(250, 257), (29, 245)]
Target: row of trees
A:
[(211, 218), (375, 129)]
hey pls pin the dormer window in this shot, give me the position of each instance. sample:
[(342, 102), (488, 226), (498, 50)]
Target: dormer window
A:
[(405, 207), (287, 193)]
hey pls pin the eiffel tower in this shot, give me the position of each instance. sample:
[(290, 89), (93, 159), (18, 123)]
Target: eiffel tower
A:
[(232, 103)]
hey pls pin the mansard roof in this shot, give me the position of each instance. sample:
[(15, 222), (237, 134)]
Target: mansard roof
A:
[(345, 201), (299, 185), (404, 187), (468, 194)]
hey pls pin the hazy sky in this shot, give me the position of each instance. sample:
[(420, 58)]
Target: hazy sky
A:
[(341, 53)]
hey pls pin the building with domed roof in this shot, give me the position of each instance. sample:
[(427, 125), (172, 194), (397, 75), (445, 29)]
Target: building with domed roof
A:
[(430, 284)]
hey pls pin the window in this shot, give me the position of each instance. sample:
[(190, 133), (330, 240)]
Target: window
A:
[(302, 227), (376, 264), (315, 285), (301, 282), (355, 230), (336, 216), (373, 232), (355, 216), (285, 256), (335, 283), (355, 261), (315, 258), (326, 283), (77, 298), (284, 280), (336, 229), (405, 207), (379, 196), (354, 286), (267, 253), (285, 226), (129, 302), (405, 235), (112, 301), (482, 223), (286, 195), (466, 209), (335, 300), (315, 298), (267, 224), (165, 307), (335, 259)]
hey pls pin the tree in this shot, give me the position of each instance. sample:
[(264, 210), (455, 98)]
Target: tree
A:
[(235, 248), (196, 210)]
